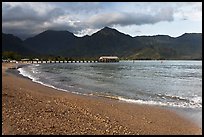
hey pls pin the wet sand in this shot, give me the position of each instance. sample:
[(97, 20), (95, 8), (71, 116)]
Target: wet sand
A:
[(31, 108)]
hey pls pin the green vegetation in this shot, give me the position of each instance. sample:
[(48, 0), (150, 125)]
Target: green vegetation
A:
[(11, 55), (63, 45)]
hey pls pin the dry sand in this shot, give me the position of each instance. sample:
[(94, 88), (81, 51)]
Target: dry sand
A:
[(31, 108)]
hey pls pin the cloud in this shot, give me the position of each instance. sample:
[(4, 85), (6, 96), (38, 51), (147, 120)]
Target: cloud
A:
[(188, 11), (30, 18), (124, 19), (87, 17), (28, 12)]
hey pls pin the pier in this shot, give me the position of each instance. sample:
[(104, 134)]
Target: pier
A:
[(108, 59), (104, 59), (50, 61)]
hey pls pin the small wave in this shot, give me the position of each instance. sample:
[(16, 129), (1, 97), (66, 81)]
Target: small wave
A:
[(34, 79), (171, 104), (197, 100), (141, 101), (26, 74), (105, 96), (150, 102), (173, 97), (34, 70)]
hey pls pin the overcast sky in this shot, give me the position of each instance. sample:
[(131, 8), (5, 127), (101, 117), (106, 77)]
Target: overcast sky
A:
[(25, 19)]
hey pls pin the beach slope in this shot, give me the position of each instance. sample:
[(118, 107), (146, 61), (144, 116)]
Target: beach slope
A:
[(31, 108)]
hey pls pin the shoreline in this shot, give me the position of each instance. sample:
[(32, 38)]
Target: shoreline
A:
[(50, 111), (184, 112)]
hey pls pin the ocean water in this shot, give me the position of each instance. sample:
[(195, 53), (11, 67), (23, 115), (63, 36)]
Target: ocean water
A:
[(173, 84)]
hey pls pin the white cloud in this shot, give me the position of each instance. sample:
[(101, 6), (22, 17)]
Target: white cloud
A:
[(86, 31), (190, 10)]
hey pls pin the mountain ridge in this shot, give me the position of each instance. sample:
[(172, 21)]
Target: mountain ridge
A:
[(108, 41)]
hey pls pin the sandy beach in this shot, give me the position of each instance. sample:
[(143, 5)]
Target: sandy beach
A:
[(31, 108)]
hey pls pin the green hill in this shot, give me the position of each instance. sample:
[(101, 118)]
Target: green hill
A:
[(108, 41)]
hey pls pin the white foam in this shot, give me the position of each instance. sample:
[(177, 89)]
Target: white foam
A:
[(172, 104), (26, 74), (171, 96), (34, 70), (197, 100)]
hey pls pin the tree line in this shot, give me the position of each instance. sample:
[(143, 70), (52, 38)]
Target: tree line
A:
[(10, 55)]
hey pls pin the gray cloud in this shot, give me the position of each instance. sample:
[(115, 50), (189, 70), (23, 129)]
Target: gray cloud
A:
[(26, 29), (27, 13), (124, 19), (75, 17), (25, 20), (81, 7)]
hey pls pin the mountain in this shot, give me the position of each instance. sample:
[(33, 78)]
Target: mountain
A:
[(14, 44), (108, 41), (50, 42), (186, 46)]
